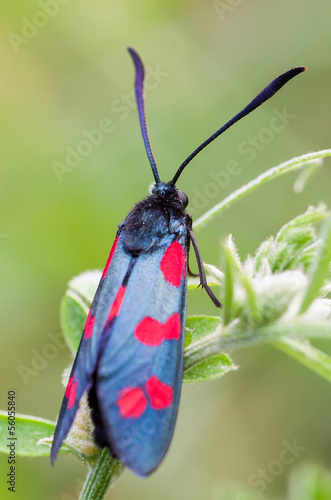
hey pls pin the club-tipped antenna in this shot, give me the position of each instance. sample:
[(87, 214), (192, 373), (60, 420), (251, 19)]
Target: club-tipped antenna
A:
[(263, 96), (139, 90)]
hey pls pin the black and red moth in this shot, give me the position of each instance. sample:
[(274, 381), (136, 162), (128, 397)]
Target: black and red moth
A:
[(130, 358)]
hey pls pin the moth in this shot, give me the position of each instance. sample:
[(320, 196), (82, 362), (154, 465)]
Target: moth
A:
[(130, 358)]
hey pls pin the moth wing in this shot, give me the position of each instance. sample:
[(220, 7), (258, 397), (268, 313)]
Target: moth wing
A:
[(80, 379), (139, 374)]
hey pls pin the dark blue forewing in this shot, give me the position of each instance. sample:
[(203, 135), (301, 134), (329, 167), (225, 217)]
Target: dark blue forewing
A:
[(87, 355), (139, 373)]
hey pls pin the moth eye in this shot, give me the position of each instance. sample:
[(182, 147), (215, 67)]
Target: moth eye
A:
[(183, 197)]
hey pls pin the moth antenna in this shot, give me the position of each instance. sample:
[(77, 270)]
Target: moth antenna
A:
[(263, 96), (139, 90)]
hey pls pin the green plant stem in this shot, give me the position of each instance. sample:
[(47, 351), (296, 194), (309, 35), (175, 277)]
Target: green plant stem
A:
[(101, 476), (320, 268), (274, 172), (217, 343), (312, 358)]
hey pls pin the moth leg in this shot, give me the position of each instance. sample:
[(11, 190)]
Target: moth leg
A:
[(189, 272), (188, 245), (202, 274)]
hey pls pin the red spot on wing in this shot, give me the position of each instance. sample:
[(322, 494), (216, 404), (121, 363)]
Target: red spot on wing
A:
[(71, 391), (69, 385), (132, 402), (151, 332), (160, 394), (173, 263), (117, 304), (110, 258), (89, 325)]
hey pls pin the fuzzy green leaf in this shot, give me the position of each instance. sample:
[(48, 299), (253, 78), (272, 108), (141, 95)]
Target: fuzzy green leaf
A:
[(188, 337), (214, 272), (210, 368), (230, 266), (201, 326), (253, 311), (295, 243), (28, 431), (75, 306), (262, 253), (73, 318), (194, 283), (319, 267)]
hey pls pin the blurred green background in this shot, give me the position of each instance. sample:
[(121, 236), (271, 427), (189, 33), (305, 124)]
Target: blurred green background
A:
[(64, 69)]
